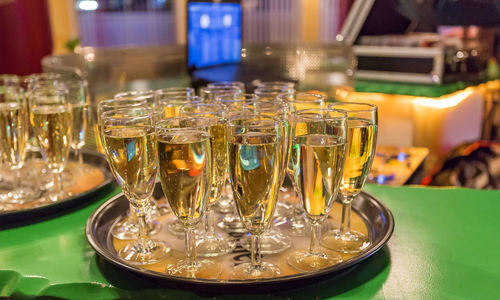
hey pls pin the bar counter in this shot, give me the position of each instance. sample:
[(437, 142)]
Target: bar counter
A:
[(445, 246)]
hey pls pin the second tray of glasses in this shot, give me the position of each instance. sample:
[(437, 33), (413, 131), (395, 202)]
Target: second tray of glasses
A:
[(80, 182)]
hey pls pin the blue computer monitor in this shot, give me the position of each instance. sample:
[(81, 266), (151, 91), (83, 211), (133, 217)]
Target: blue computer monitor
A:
[(213, 33)]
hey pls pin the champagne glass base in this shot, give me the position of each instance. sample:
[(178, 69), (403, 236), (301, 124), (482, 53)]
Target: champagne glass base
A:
[(126, 230), (22, 196), (283, 209), (176, 228), (216, 245), (271, 242), (231, 223), (200, 269), (247, 271), (304, 261), (149, 252), (347, 242)]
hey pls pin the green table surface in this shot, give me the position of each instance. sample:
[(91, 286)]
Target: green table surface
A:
[(445, 246)]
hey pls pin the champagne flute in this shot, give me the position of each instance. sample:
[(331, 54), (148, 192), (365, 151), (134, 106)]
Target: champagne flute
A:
[(318, 160), (211, 242), (129, 141), (272, 240), (13, 138), (185, 159), (231, 99), (297, 101), (254, 171), (169, 102), (51, 120), (127, 228), (361, 142), (78, 98)]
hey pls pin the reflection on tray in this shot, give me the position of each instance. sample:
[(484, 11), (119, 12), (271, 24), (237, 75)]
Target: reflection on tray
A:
[(239, 254), (77, 179)]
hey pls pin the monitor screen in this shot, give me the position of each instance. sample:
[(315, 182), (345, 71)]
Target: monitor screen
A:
[(214, 33)]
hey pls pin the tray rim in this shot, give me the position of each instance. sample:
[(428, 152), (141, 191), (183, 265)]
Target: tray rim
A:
[(217, 283), (45, 209)]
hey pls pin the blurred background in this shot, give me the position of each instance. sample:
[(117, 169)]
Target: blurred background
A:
[(430, 65)]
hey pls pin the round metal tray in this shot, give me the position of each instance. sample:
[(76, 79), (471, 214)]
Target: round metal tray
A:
[(377, 217), (11, 218)]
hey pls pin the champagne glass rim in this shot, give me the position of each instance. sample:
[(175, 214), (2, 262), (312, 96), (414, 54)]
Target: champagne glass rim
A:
[(179, 99), (302, 114), (265, 121), (235, 97), (212, 109), (292, 97), (362, 107), (174, 125), (125, 113), (144, 95), (113, 100), (219, 88), (173, 90), (274, 89)]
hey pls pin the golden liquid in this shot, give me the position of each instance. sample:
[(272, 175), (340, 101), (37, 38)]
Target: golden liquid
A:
[(130, 152), (185, 172), (359, 155), (219, 151), (52, 126), (80, 121), (319, 171), (254, 170), (13, 133)]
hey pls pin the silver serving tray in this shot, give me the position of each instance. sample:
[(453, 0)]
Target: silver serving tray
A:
[(376, 216)]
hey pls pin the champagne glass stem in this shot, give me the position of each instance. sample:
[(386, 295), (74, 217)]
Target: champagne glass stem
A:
[(210, 222), (58, 184), (140, 212), (17, 179), (256, 257), (190, 247), (345, 226), (80, 155), (314, 248)]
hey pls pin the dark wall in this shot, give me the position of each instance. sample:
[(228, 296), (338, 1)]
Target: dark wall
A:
[(25, 36)]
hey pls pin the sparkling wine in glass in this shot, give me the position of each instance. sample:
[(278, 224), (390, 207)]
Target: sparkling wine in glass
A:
[(318, 160), (13, 139), (127, 228), (272, 240), (254, 171), (78, 98), (51, 119), (212, 242), (298, 101), (185, 161), (129, 140), (361, 143)]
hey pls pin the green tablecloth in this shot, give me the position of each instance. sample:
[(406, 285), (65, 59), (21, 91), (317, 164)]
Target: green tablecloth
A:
[(445, 246)]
